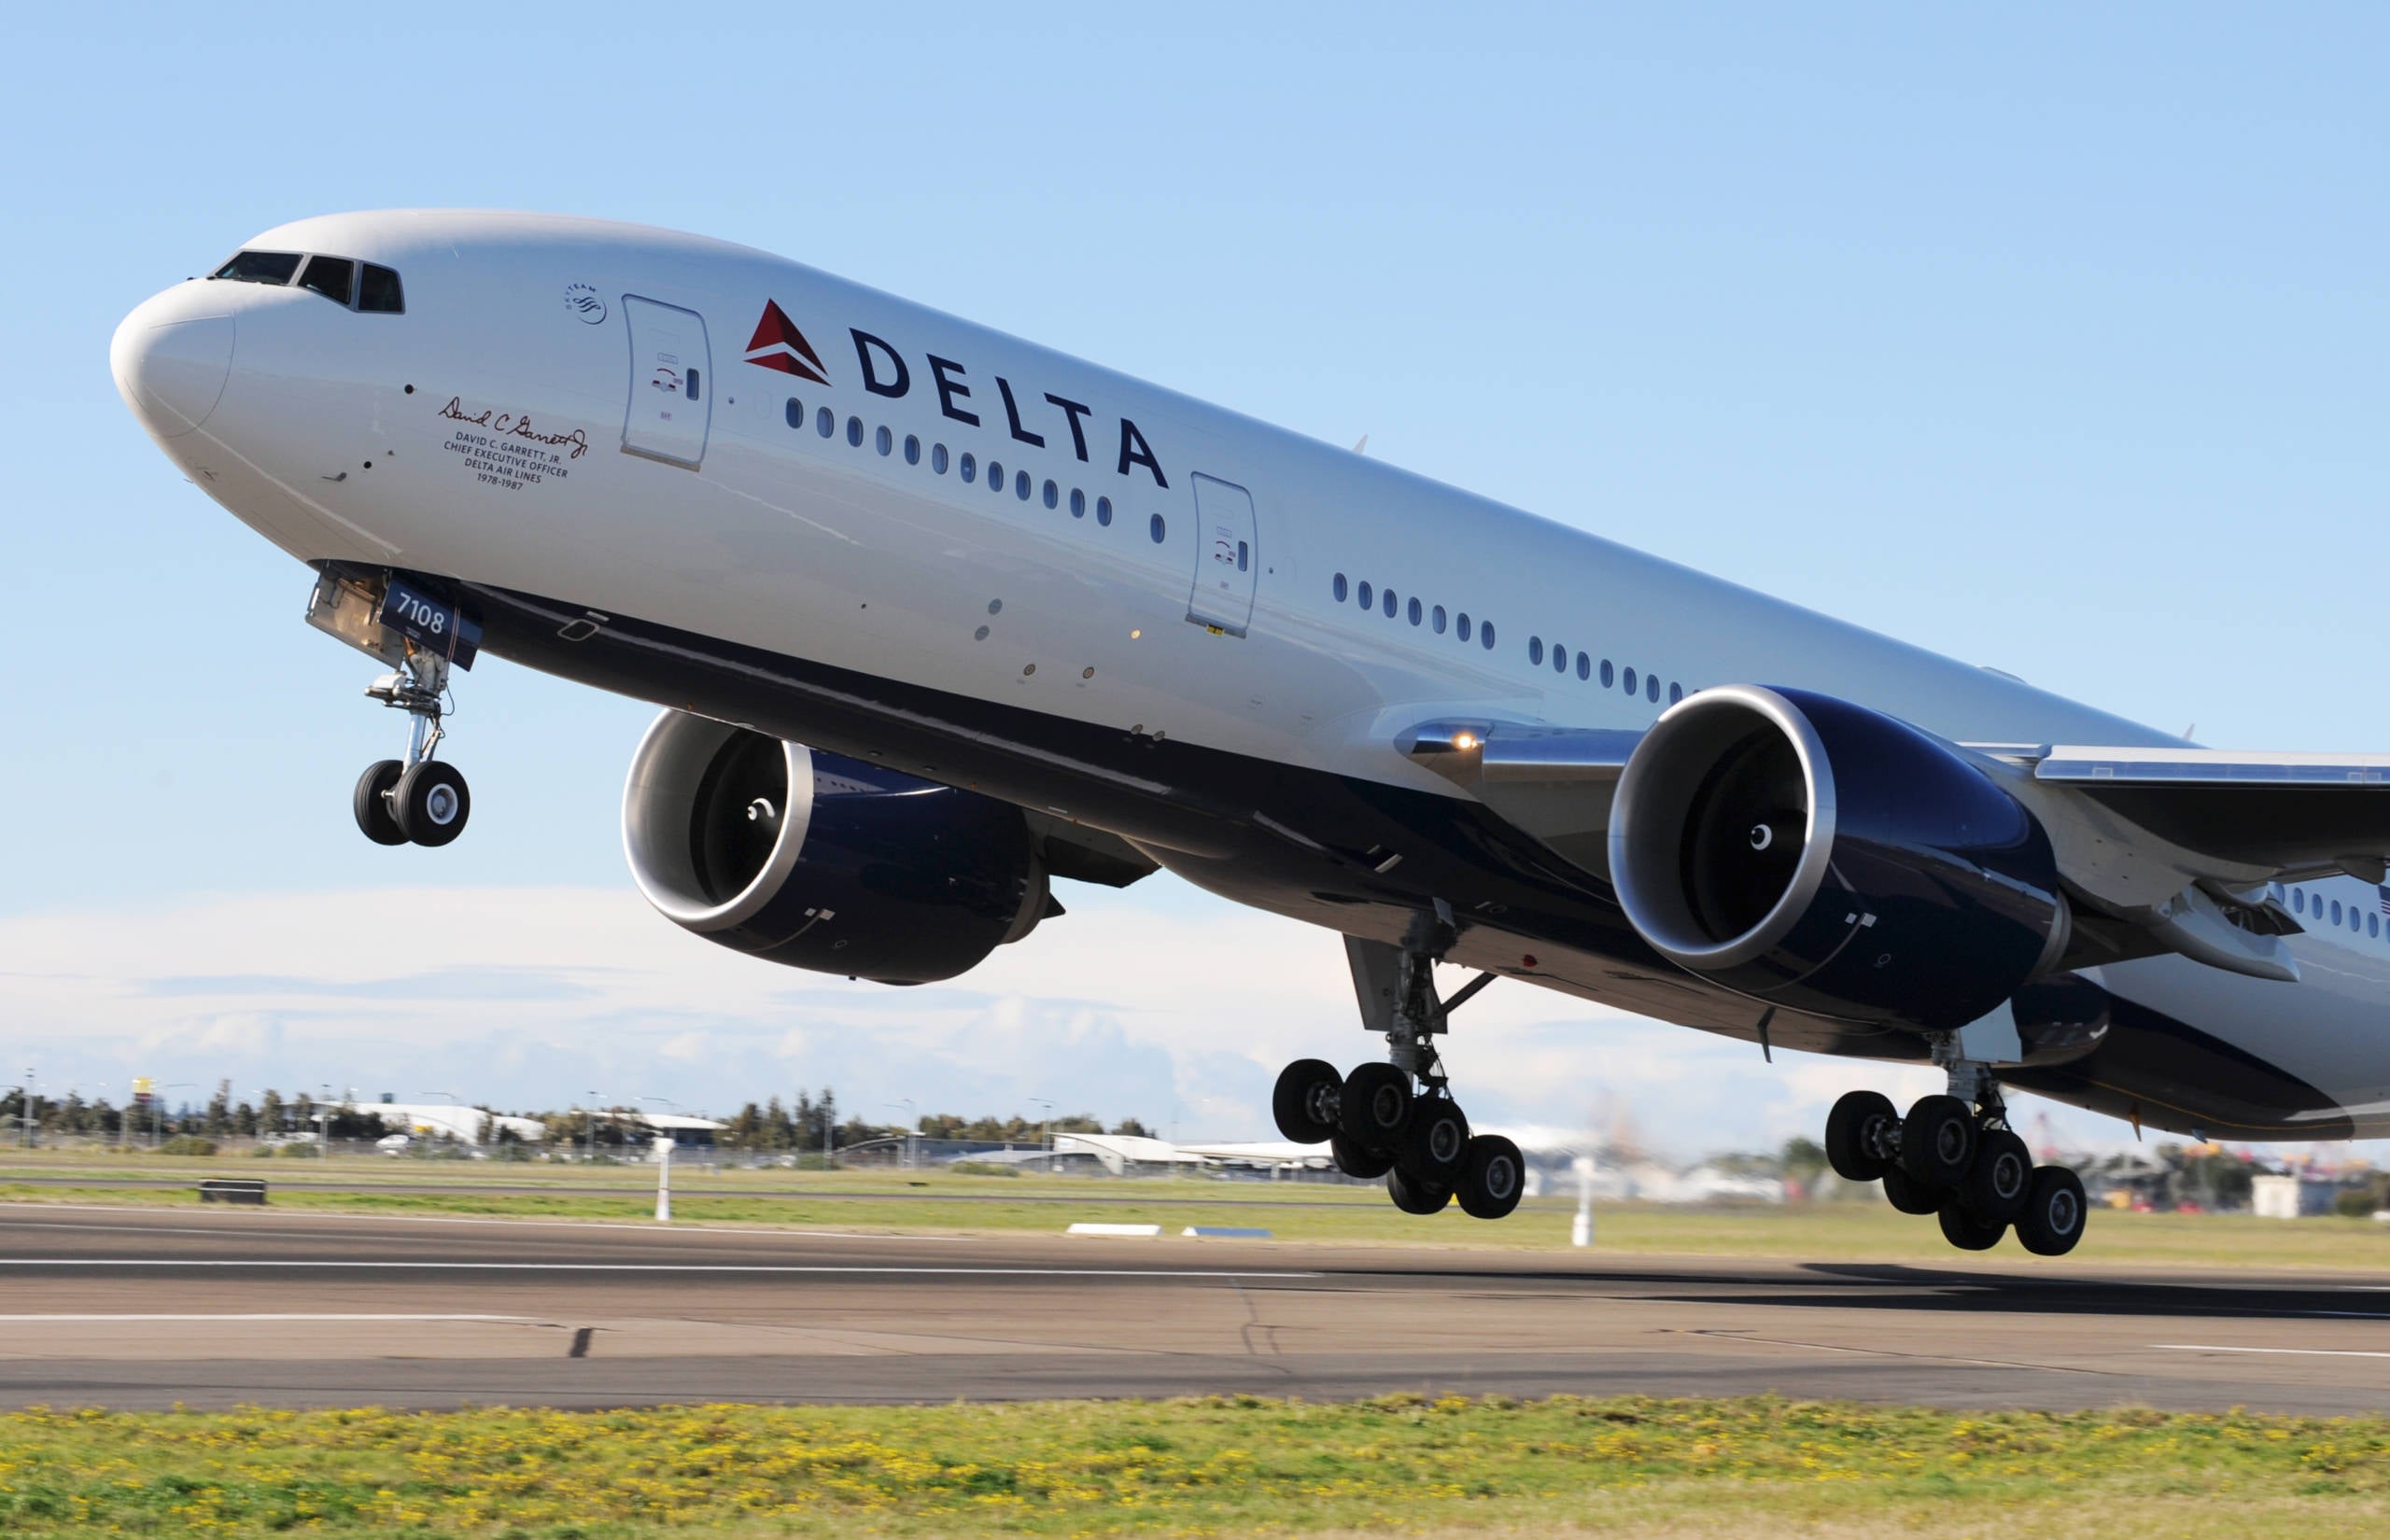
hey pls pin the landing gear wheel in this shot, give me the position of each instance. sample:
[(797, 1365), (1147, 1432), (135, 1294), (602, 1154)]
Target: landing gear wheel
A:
[(432, 803), (1417, 1197), (1908, 1195), (2054, 1212), (1492, 1177), (1436, 1145), (1938, 1141), (1963, 1230), (1304, 1101), (1856, 1136), (1374, 1108), (1996, 1184), (1356, 1162), (372, 803)]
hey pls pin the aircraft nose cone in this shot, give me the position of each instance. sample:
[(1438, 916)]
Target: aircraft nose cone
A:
[(170, 365)]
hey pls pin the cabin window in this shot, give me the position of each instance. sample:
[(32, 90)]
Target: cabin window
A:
[(997, 477), (912, 450), (1535, 649), (1651, 688), (854, 432), (1104, 510), (937, 459), (1079, 510), (1341, 589), (1485, 635), (1367, 594), (1417, 613), (1676, 694), (886, 441), (1390, 603), (1460, 625), (1584, 665), (1630, 682), (794, 412), (1021, 484), (1053, 496), (1436, 619), (825, 422), (1154, 528), (970, 467)]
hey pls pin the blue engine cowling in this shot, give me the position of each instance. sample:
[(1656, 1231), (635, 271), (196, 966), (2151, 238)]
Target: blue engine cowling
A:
[(1816, 855), (820, 862)]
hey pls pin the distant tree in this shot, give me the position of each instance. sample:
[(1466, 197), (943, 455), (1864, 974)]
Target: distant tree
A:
[(1131, 1127), (1804, 1159), (219, 1108), (270, 1112)]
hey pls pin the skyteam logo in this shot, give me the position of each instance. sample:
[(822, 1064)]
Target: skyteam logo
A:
[(778, 345)]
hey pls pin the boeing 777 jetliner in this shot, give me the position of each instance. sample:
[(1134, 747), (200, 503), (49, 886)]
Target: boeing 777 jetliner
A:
[(936, 616)]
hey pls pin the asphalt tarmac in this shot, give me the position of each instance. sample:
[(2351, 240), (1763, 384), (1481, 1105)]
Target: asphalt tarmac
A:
[(128, 1308)]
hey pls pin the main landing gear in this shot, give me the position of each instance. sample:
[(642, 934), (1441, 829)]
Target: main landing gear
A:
[(1954, 1157), (417, 800), (1398, 1119)]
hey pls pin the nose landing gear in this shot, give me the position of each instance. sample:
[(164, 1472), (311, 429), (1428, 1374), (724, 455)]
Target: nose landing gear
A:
[(1954, 1157), (417, 800), (1398, 1119)]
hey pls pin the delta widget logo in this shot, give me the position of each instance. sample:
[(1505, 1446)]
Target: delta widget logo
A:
[(778, 345)]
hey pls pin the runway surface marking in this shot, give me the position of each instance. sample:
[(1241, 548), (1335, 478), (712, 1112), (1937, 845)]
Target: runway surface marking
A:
[(645, 1268), (2298, 1353), (10, 1211)]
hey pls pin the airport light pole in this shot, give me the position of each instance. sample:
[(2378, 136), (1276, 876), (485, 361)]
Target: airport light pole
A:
[(27, 1091), (591, 1159), (157, 1110), (912, 1134), (1044, 1122)]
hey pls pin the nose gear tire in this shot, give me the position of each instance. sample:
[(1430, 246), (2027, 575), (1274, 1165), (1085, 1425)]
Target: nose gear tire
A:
[(1910, 1195), (1356, 1162), (1998, 1182), (1417, 1197), (372, 803), (1491, 1177), (1938, 1141), (1376, 1108), (2054, 1212), (1963, 1230), (1304, 1100), (432, 803), (1856, 1133)]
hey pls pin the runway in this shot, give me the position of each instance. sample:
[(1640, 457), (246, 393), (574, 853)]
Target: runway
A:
[(129, 1309)]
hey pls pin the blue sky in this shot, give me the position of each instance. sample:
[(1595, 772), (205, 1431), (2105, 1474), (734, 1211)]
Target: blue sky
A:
[(2054, 341)]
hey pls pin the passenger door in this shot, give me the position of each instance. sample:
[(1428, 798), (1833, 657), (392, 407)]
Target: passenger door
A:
[(1226, 560), (672, 385)]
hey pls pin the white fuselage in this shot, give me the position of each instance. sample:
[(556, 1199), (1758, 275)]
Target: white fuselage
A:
[(494, 413)]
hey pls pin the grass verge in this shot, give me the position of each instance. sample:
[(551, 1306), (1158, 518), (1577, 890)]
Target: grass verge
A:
[(1207, 1466), (961, 1204)]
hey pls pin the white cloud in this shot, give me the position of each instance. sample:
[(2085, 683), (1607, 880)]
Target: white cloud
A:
[(1157, 1002)]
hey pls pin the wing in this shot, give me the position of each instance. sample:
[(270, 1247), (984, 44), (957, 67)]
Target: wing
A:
[(2163, 849)]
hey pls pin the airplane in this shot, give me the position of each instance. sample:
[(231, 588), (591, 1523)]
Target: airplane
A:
[(936, 616)]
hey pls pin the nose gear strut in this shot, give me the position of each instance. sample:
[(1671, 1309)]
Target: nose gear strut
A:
[(415, 800)]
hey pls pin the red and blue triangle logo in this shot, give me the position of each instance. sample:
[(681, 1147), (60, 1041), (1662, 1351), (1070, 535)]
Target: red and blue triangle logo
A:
[(778, 345)]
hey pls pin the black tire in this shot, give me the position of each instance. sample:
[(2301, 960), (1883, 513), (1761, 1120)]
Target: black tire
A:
[(1356, 1162), (1855, 1132), (1435, 1147), (1374, 1108), (1963, 1229), (372, 803), (1997, 1184), (1492, 1178), (1304, 1100), (432, 803), (1939, 1142), (1417, 1197), (2055, 1212), (1908, 1195)]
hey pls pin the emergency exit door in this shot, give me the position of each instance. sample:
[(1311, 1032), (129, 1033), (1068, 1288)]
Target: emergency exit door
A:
[(671, 387), (1225, 561)]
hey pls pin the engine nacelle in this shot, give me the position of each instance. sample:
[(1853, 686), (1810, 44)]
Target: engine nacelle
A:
[(820, 862), (1814, 854)]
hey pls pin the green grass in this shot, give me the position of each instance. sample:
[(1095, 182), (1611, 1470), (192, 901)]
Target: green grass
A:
[(947, 1203), (1210, 1467)]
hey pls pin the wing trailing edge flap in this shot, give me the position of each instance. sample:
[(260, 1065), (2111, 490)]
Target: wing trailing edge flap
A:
[(2181, 842), (1552, 783)]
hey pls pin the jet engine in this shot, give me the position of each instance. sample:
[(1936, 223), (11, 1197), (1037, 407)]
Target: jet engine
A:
[(1814, 854), (819, 862)]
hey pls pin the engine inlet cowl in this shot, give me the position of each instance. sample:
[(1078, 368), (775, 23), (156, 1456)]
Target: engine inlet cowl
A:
[(1818, 855)]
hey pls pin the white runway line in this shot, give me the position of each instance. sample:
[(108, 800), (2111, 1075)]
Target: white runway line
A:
[(2294, 1353), (284, 1315), (645, 1268)]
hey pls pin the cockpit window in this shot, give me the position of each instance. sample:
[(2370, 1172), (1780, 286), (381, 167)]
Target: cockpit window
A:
[(379, 291), (261, 267), (332, 278)]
